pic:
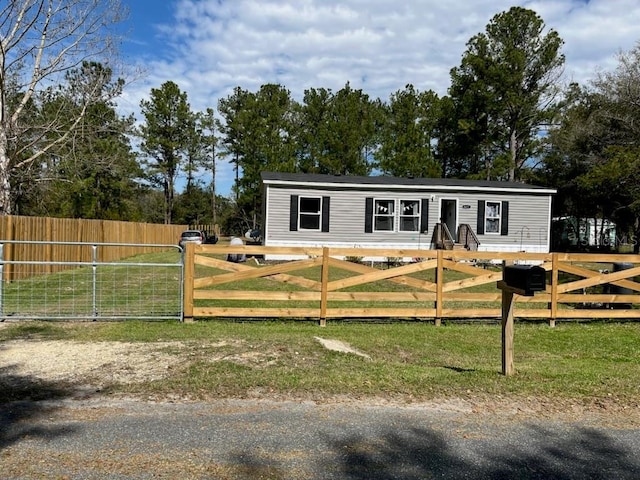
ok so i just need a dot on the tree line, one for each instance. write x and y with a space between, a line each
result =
65 150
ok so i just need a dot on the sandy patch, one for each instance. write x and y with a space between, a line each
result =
95 363
339 346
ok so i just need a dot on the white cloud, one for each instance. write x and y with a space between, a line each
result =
211 46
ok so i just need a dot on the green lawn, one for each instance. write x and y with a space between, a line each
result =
576 362
412 361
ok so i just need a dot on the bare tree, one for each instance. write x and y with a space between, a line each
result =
40 41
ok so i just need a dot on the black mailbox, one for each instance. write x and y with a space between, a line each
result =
529 278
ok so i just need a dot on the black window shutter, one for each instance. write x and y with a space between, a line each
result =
293 214
368 215
504 224
325 213
424 216
480 225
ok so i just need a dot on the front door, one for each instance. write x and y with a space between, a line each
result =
449 215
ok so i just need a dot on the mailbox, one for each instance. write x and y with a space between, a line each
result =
529 278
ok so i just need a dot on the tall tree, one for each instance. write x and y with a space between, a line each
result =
573 147
408 133
260 136
193 207
314 129
40 40
269 146
92 173
465 146
338 132
622 114
208 128
200 152
232 129
166 135
510 72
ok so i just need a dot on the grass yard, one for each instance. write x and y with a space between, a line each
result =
573 363
587 363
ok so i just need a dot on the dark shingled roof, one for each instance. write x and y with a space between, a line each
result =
273 177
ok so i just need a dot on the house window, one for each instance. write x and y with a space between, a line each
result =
383 215
409 215
396 215
309 213
492 217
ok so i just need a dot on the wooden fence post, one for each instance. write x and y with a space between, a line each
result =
324 286
508 303
507 332
554 290
439 287
188 259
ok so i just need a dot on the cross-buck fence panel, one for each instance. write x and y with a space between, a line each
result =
146 284
328 283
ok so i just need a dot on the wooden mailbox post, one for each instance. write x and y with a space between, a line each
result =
516 280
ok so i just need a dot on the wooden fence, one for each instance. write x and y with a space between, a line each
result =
432 284
47 235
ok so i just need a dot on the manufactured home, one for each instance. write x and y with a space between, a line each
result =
388 212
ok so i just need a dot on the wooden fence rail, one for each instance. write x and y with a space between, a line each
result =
322 283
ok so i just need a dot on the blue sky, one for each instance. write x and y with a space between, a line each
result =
210 46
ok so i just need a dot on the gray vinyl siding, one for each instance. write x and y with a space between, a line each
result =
528 217
347 217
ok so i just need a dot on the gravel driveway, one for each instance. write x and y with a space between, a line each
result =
257 439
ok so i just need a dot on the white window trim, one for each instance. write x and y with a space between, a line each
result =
456 201
393 216
487 217
397 215
300 213
401 216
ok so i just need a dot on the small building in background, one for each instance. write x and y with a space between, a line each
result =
582 234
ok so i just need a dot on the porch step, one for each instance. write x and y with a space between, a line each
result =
449 245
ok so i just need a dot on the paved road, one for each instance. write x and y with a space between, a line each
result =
287 440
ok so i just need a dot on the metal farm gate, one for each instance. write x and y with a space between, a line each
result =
90 281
